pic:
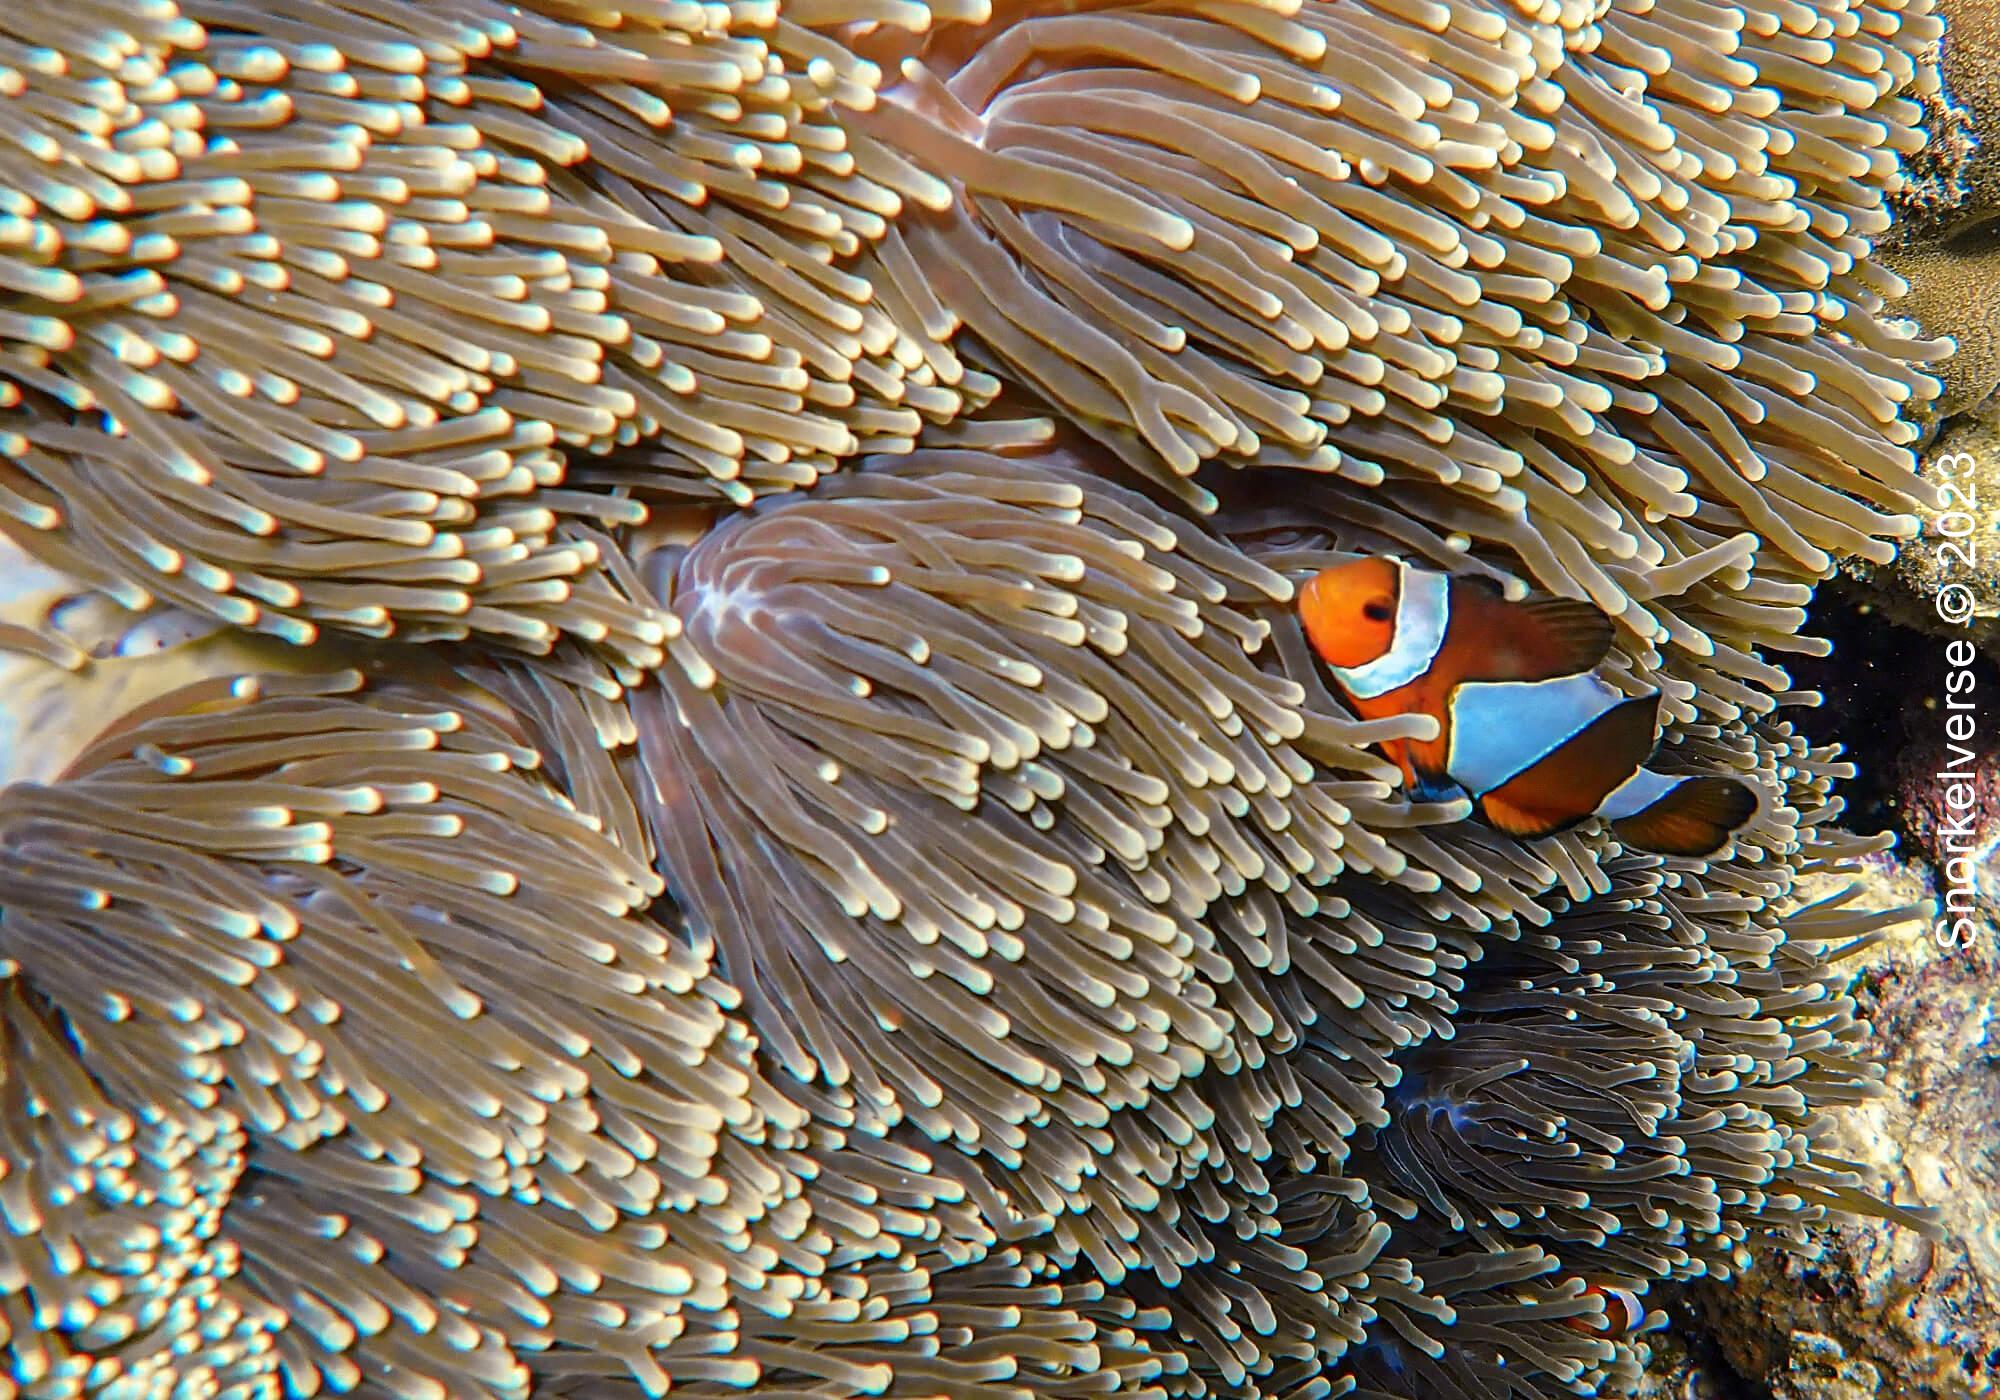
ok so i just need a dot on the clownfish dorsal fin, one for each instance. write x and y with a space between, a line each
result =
1536 639
1693 817
1569 782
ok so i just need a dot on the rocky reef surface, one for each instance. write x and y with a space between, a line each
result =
1881 1311
1886 1312
1965 453
1946 245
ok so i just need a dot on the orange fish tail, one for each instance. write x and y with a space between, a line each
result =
1696 818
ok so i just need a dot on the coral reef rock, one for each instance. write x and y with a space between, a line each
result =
1946 243
1958 548
1946 247
1881 1311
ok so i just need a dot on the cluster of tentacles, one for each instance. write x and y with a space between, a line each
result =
661 742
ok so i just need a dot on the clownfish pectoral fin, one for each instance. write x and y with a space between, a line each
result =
1691 817
1434 787
1397 752
1427 778
1567 784
1421 781
1536 639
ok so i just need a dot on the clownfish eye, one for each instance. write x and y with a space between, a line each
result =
1377 610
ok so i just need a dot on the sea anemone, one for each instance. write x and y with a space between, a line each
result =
746 856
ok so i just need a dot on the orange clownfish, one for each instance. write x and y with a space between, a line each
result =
1526 729
1624 1314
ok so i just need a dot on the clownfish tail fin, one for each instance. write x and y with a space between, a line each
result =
1694 817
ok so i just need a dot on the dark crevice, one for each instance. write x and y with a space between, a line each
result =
1724 1381
1882 687
1709 1375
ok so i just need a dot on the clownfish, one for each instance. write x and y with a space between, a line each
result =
1526 729
1624 1314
